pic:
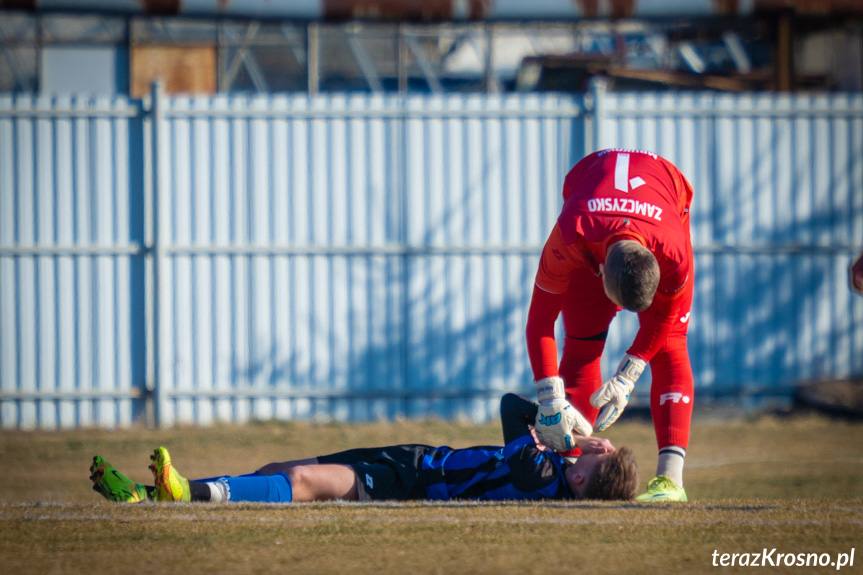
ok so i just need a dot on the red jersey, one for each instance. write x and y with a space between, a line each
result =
608 196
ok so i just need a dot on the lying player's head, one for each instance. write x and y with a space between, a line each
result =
630 275
610 476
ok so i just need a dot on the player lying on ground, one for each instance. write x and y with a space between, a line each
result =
522 469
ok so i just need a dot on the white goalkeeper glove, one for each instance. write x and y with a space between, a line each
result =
557 419
613 396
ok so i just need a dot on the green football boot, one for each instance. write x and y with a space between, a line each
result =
113 485
661 488
170 485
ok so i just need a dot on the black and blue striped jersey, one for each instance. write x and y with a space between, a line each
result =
517 471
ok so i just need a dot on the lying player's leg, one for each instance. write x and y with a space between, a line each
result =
323 482
304 480
301 482
285 466
384 473
114 486
170 485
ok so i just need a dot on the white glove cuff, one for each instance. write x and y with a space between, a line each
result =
549 388
631 368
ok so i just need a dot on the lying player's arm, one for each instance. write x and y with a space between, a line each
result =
598 445
517 414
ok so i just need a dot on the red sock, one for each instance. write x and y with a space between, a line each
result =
672 393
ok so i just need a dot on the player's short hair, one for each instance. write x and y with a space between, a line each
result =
631 275
615 478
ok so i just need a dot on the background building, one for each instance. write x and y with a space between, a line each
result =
496 46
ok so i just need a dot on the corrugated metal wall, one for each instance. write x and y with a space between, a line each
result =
351 257
363 257
71 265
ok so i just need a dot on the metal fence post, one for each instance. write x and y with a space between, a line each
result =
163 414
598 90
147 174
313 60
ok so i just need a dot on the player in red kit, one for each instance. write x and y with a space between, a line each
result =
621 242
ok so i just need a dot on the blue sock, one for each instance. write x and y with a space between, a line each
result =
266 488
216 478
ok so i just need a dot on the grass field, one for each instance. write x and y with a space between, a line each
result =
794 484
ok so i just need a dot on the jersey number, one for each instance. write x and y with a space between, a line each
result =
622 181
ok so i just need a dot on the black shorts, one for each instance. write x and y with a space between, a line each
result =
383 473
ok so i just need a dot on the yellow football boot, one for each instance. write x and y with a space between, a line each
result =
170 485
661 488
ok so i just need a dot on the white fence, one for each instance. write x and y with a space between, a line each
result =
362 257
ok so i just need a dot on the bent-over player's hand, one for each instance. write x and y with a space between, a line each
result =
855 275
613 396
557 421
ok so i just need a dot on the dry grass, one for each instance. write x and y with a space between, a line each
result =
795 484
